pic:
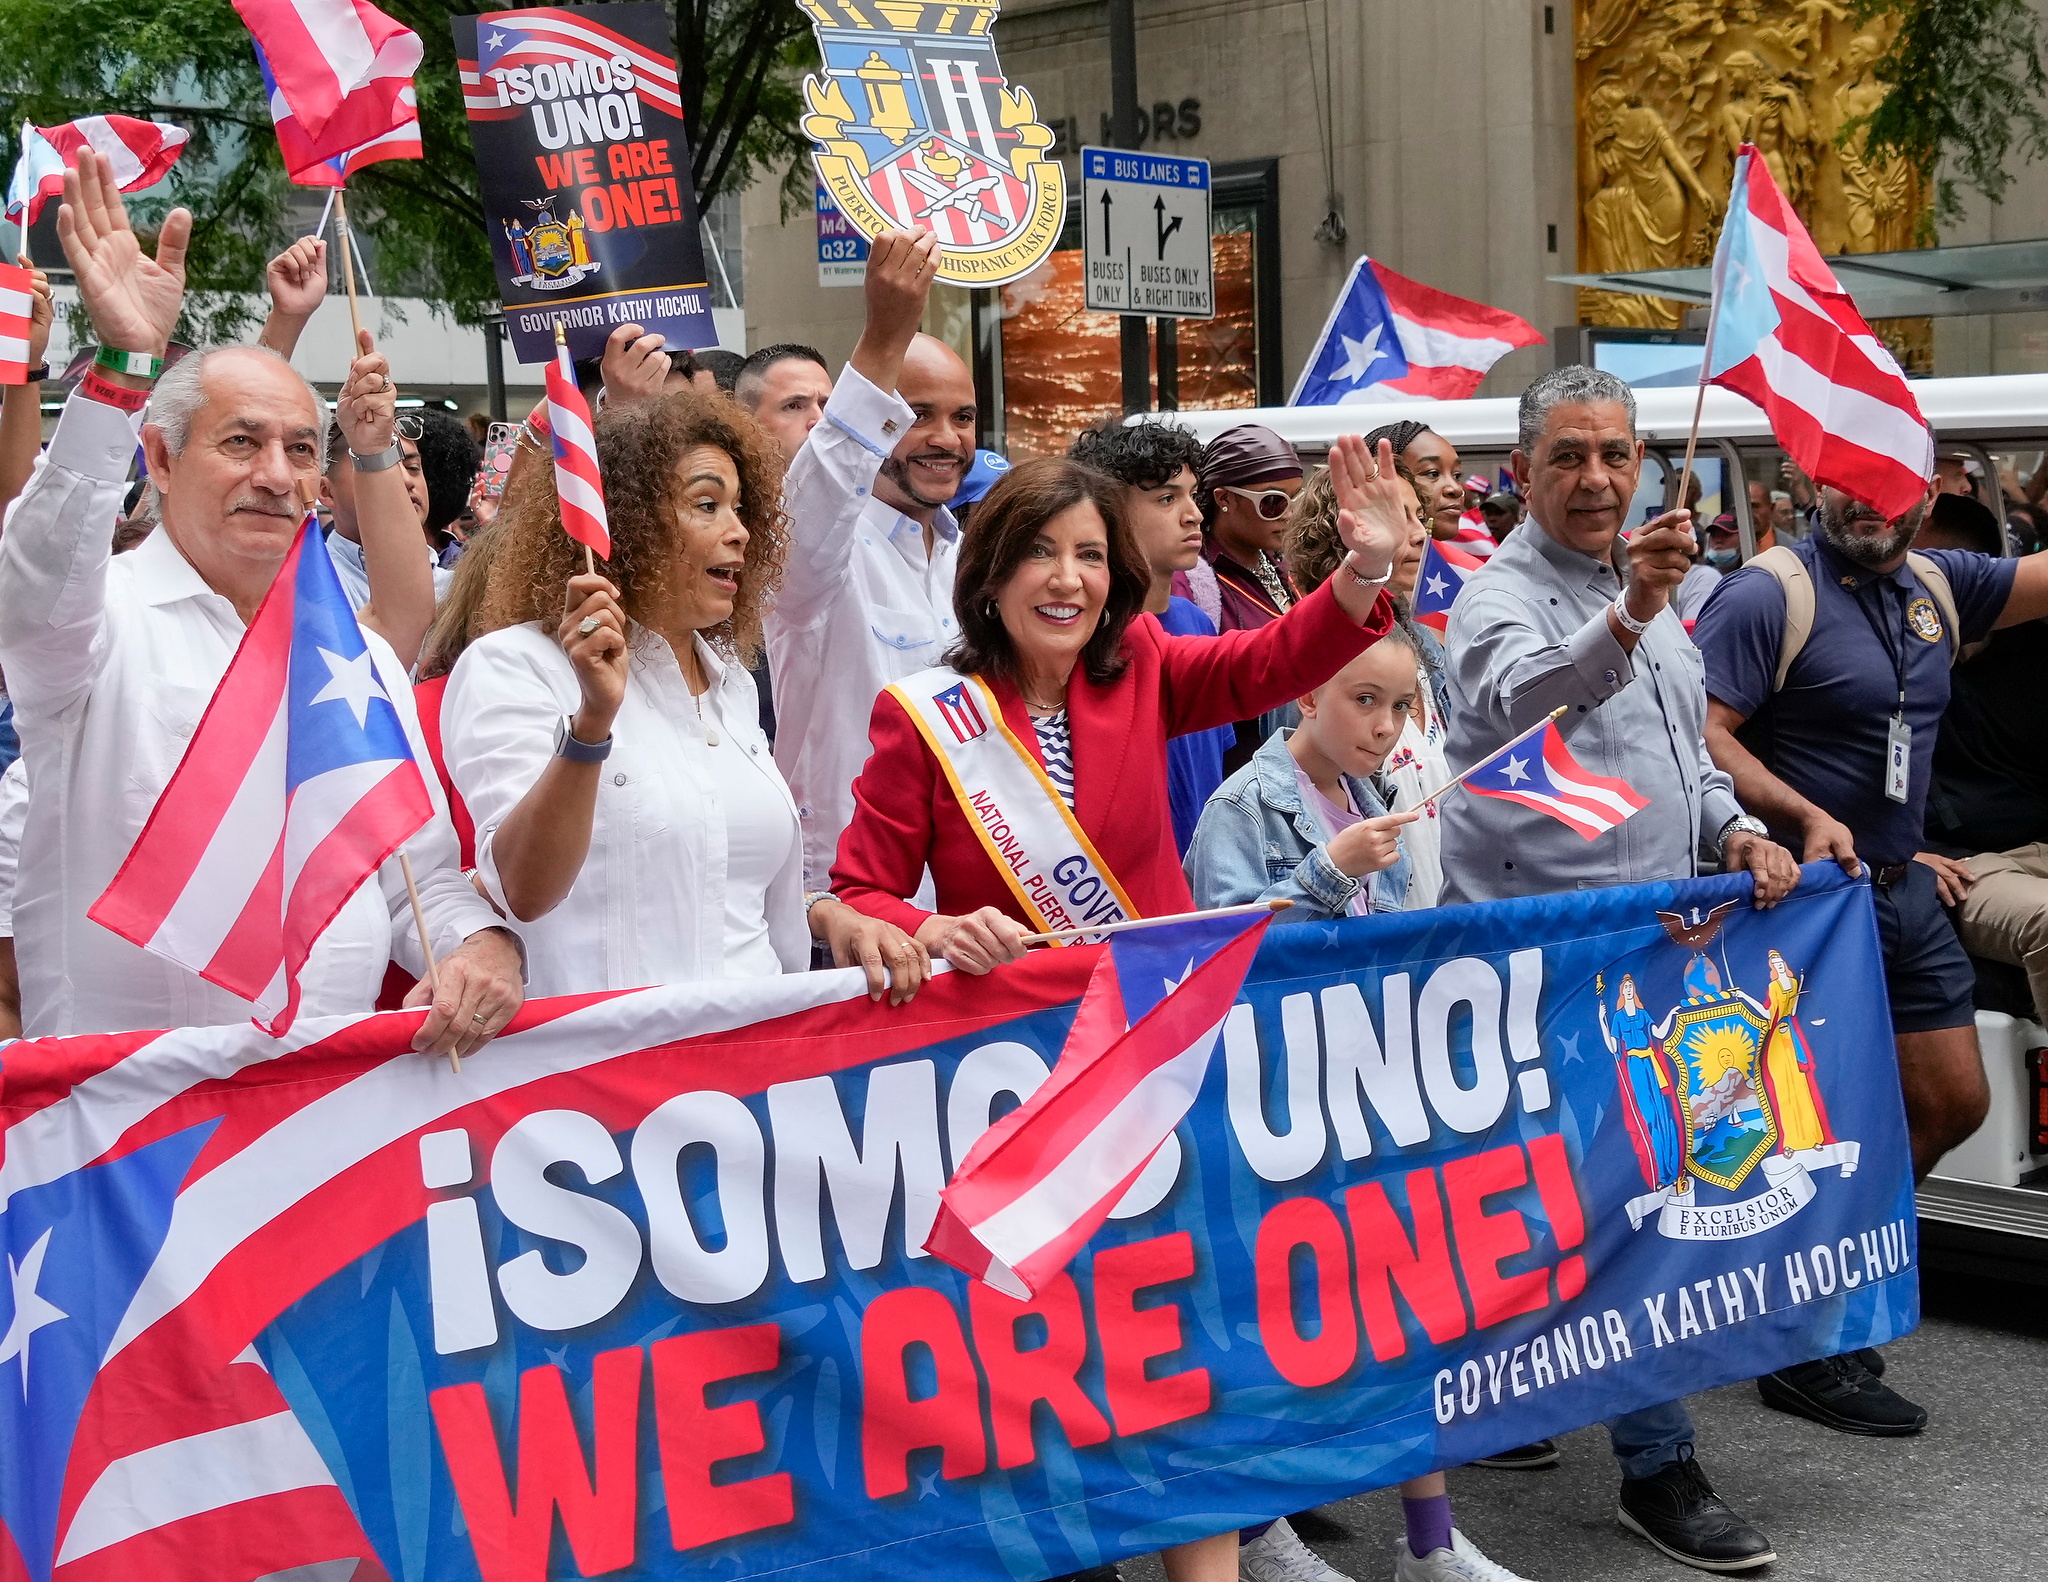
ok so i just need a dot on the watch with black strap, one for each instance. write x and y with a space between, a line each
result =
579 752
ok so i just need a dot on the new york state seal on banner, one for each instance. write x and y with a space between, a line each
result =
912 124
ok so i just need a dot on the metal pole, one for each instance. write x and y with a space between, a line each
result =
1167 349
1124 126
494 364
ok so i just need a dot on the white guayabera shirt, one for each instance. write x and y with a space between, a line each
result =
111 663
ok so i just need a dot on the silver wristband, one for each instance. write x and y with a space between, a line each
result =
1628 622
382 461
1367 582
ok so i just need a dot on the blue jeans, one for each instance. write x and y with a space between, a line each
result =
1648 1439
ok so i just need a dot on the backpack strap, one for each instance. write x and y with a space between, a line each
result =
1790 571
1935 581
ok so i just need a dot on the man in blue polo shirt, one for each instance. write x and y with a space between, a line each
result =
1838 760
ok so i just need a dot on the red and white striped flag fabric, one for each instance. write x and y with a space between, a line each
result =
305 168
141 152
577 481
343 68
1541 773
17 308
297 786
1787 336
1045 1177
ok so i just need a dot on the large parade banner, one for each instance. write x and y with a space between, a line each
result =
640 1292
583 164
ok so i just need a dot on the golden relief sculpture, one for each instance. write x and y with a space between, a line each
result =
1669 90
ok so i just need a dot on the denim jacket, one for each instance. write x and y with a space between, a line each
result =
1256 842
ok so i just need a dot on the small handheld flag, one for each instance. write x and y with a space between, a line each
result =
1785 334
1389 338
297 786
343 69
577 481
141 152
1439 582
1538 771
17 315
1045 1177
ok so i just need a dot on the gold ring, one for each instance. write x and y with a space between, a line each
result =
478 1016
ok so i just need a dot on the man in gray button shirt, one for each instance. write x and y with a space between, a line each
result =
1549 621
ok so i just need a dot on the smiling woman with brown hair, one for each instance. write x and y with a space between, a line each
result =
607 741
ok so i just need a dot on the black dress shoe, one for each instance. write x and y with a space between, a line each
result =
1841 1393
1523 1458
1679 1512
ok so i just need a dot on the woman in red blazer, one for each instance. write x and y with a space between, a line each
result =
1049 595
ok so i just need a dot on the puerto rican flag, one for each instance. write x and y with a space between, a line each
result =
578 483
17 311
1045 1178
1439 582
961 711
507 40
1389 338
1541 774
343 68
297 786
306 168
164 1196
1786 335
141 152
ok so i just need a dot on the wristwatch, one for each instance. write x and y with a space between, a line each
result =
381 461
1741 824
579 752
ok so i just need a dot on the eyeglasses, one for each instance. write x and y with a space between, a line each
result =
1271 504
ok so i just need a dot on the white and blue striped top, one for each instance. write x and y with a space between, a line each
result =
1056 742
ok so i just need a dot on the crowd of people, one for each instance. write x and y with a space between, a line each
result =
1195 663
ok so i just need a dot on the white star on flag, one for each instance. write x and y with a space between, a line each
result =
495 39
1175 983
1436 585
1359 355
31 1312
1516 771
353 681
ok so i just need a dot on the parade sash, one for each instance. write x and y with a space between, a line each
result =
1050 865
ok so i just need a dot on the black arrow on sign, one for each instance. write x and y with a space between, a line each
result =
1165 230
1105 222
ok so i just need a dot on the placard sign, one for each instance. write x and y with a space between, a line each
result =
584 169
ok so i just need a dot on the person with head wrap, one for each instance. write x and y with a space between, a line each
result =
1246 481
1432 461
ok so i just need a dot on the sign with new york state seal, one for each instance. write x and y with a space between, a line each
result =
912 124
583 165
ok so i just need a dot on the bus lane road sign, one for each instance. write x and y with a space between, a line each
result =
1145 229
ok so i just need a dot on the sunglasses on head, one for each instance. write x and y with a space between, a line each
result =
1271 504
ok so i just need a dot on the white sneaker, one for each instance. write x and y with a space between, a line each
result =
1462 1562
1276 1555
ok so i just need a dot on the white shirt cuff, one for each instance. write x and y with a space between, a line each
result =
862 410
94 440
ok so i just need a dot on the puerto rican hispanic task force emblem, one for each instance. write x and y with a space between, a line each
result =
549 253
1722 1088
913 125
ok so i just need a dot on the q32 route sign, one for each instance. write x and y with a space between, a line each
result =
1145 223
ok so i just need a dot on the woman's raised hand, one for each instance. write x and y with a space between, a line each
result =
1370 495
979 942
593 635
1371 844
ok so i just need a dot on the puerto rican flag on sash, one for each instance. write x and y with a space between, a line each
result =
1539 773
1045 1178
1786 335
297 786
1439 582
343 68
963 717
1389 338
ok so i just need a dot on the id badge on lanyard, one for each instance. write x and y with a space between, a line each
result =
1898 763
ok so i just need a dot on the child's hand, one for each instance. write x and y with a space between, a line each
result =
1371 844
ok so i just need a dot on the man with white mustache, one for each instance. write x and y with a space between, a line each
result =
1837 755
867 592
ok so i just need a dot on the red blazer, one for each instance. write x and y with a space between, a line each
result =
906 817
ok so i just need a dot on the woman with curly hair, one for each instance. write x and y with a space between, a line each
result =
606 738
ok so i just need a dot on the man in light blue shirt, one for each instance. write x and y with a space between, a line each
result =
1568 613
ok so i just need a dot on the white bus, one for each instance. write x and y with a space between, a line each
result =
1985 1206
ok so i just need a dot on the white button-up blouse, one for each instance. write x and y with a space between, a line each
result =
695 865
